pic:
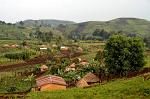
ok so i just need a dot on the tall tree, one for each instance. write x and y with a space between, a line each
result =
124 54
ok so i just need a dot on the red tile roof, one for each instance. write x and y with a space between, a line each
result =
50 79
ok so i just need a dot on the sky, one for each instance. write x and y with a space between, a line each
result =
73 10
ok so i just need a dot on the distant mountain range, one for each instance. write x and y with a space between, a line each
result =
127 25
43 22
61 27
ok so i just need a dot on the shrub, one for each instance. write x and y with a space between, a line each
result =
124 54
100 57
19 55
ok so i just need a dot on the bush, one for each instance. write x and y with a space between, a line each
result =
100 57
19 55
124 54
11 84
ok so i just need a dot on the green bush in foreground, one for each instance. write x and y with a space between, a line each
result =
124 54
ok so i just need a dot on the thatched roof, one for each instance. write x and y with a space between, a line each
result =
50 79
73 65
80 49
54 46
91 78
84 63
82 83
70 68
43 67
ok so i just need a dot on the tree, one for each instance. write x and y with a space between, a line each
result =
100 56
24 43
21 23
147 41
101 33
124 54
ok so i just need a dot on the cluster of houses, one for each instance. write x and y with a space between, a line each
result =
73 66
63 49
52 82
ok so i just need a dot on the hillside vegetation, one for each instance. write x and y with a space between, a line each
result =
127 25
22 29
52 23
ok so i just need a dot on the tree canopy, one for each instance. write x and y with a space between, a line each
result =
124 54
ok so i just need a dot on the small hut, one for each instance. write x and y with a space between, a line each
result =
79 49
84 63
14 46
64 49
50 82
82 83
54 46
71 67
87 80
43 68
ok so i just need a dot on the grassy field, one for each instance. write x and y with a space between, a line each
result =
147 59
32 46
134 88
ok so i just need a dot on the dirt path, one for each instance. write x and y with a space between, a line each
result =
37 60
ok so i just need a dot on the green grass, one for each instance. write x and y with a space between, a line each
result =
147 60
134 88
33 46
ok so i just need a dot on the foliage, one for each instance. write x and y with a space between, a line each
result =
147 41
71 76
100 57
124 54
101 33
24 43
37 68
19 55
43 36
15 84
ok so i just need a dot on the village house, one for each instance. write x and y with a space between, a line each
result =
50 82
54 46
88 80
14 46
84 63
71 67
80 50
43 47
64 49
79 59
43 68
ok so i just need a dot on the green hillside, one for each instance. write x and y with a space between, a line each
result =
12 31
52 23
65 28
134 88
127 25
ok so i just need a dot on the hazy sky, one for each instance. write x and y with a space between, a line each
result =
74 10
